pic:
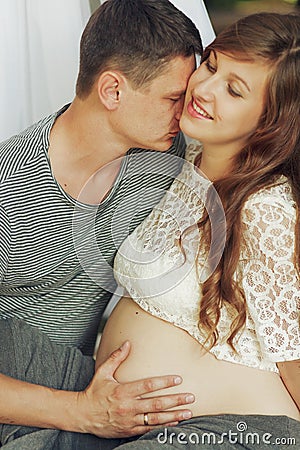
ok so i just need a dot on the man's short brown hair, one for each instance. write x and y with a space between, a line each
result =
136 37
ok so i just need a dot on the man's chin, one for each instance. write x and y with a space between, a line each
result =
161 146
165 146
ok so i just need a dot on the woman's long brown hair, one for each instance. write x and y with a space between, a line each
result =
271 151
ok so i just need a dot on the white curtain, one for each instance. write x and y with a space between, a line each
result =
197 12
39 54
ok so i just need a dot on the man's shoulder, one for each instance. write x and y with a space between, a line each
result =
17 151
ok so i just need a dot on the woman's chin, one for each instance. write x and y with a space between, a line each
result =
188 130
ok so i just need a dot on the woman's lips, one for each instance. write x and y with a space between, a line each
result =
198 111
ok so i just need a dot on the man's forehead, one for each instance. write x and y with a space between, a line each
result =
176 75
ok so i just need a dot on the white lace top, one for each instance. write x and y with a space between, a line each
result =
166 282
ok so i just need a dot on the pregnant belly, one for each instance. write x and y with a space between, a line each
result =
160 348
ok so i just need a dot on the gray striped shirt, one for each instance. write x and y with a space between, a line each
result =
56 254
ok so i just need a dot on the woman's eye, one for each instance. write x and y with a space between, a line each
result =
233 92
210 67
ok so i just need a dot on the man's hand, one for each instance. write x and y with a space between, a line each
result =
110 409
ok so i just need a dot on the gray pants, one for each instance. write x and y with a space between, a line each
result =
223 432
28 355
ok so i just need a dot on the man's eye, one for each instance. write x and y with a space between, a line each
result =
175 99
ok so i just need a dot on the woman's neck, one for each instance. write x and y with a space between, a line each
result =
216 163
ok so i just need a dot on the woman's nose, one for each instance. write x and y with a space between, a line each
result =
206 88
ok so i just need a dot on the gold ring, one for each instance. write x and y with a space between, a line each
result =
146 422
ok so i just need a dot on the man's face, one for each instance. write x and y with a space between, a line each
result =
149 117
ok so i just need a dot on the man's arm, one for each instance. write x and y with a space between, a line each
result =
28 404
105 408
290 375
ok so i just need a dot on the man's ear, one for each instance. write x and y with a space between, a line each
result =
110 85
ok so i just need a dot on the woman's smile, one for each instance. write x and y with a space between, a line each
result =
199 110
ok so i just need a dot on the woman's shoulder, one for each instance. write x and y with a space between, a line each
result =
271 214
278 196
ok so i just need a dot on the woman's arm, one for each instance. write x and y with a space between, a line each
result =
273 284
290 375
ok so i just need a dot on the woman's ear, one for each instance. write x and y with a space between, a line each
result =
109 89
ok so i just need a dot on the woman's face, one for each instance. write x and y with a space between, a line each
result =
224 101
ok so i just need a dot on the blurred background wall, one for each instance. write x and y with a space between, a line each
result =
223 12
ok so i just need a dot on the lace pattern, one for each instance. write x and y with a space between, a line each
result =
164 280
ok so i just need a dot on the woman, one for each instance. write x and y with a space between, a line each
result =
223 310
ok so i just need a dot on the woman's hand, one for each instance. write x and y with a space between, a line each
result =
110 409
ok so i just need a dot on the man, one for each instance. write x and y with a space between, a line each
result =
135 61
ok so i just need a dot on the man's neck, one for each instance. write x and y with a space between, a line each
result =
82 145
